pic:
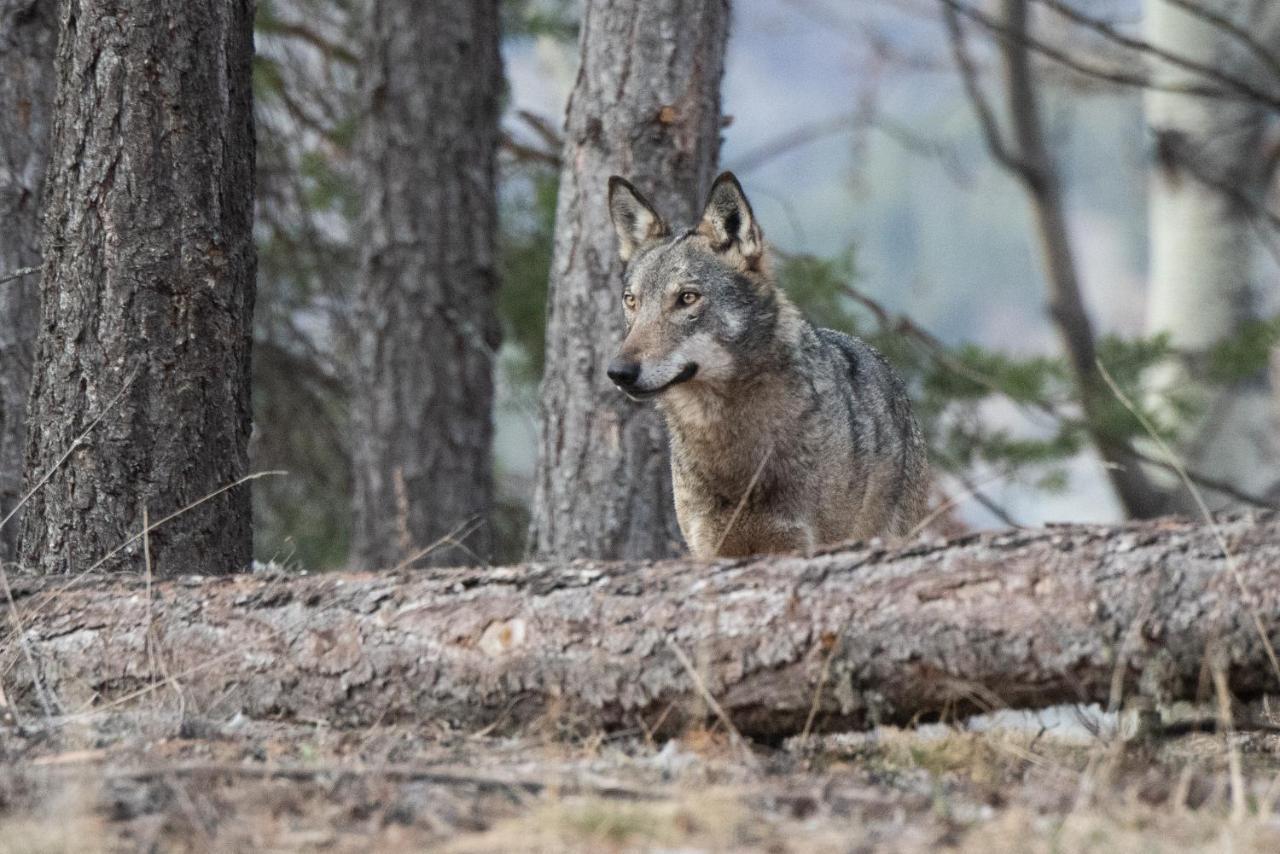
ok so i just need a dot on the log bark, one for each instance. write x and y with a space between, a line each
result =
852 636
646 105
426 315
148 288
28 36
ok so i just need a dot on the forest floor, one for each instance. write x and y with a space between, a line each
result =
155 779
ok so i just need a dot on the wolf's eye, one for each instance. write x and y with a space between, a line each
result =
689 297
629 300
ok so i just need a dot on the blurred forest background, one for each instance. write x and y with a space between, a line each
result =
1002 196
851 127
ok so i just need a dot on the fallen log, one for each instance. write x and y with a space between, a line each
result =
844 638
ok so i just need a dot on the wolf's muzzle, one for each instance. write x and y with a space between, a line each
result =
626 375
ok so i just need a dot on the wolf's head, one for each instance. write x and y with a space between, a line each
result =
700 305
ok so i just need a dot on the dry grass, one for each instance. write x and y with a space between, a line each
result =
1124 830
64 823
138 781
700 821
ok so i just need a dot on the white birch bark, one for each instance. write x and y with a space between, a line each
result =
1208 184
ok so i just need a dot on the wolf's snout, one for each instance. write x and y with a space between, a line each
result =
623 372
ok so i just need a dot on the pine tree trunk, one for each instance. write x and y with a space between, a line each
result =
148 289
646 105
426 323
1208 189
28 38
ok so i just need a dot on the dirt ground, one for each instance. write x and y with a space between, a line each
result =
157 780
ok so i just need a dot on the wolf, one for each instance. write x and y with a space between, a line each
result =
784 436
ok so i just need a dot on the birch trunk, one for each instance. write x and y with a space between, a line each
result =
28 37
1207 191
148 289
427 332
646 105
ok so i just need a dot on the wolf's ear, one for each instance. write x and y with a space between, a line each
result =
634 218
728 221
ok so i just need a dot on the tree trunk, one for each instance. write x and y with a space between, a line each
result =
1033 164
148 290
646 105
1207 197
427 327
28 38
849 637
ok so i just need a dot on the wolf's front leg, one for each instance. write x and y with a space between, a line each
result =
749 535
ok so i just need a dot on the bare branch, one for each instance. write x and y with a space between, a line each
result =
977 99
269 25
1137 493
1109 32
795 138
543 127
922 146
974 490
1230 187
934 348
1062 57
1027 158
18 274
528 153
1239 33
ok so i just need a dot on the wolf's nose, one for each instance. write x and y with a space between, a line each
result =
623 373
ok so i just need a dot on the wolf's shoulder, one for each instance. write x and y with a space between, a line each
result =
864 361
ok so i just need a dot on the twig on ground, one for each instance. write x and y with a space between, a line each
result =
154 652
1239 807
1133 638
46 702
7 712
734 735
817 693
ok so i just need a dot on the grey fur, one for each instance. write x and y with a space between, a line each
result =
783 436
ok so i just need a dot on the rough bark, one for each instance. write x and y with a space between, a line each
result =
147 289
28 37
646 105
426 315
1208 192
852 636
